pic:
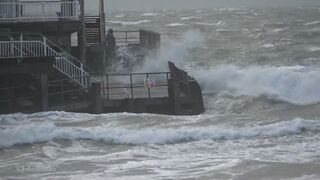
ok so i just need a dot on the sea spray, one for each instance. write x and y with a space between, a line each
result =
175 50
293 84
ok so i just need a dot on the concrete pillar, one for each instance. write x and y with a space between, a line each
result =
82 33
102 16
44 91
96 99
102 22
12 97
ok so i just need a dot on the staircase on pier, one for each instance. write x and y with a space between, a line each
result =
37 45
68 83
93 30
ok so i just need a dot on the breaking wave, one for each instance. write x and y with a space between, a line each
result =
46 131
297 84
294 84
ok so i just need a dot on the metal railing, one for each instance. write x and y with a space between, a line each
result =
134 85
16 49
125 38
39 10
64 62
72 71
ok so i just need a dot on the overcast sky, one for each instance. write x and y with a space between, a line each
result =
194 4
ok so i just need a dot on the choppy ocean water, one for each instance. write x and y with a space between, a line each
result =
260 74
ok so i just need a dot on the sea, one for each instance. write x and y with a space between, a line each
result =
259 69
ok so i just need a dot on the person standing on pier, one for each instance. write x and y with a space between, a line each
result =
111 45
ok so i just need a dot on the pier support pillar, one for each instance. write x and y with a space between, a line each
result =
96 99
44 91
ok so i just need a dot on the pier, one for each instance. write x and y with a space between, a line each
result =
40 70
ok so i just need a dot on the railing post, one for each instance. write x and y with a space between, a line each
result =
44 91
131 87
45 45
19 10
149 93
82 74
42 8
20 44
11 47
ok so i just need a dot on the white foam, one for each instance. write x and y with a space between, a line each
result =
307 177
128 23
149 14
220 23
312 23
268 46
175 24
42 132
280 29
313 48
120 16
190 17
298 85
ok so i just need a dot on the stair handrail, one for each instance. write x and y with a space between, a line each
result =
65 53
18 46
86 67
76 72
62 63
84 78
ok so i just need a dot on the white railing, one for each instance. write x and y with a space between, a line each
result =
21 48
39 10
17 49
74 72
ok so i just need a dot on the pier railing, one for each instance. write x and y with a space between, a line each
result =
134 85
39 10
14 49
146 39
125 38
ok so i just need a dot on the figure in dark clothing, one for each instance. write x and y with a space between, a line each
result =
111 46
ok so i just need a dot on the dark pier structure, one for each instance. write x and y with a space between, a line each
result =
42 68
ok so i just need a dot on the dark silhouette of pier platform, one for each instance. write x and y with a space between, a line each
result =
41 69
173 92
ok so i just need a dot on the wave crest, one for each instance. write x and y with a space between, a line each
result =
47 131
297 85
